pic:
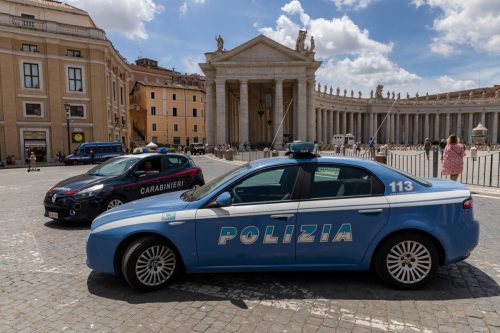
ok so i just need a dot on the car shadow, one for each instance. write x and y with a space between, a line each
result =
63 225
457 281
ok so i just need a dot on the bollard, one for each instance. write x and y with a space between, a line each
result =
473 153
435 154
229 154
342 148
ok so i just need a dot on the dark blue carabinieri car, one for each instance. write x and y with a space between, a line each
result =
300 212
119 180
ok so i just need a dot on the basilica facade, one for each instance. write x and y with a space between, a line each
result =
262 93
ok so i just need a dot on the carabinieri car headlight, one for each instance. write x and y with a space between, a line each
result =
89 192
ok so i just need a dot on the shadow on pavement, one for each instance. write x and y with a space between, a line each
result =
458 281
63 225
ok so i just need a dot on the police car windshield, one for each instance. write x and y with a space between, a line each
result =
113 167
213 184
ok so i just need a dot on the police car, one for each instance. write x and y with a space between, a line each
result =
120 180
300 212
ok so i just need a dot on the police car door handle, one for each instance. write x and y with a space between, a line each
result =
283 217
370 211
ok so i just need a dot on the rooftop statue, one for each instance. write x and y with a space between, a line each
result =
378 91
352 93
319 87
371 93
301 38
313 44
338 91
331 90
359 94
220 43
324 89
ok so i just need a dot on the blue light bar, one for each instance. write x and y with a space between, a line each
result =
298 147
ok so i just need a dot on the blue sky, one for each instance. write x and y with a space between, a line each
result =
406 45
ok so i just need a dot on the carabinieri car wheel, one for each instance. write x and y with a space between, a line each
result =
149 264
406 261
113 202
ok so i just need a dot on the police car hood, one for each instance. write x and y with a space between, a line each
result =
78 183
163 203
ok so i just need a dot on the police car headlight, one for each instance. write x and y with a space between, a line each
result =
89 192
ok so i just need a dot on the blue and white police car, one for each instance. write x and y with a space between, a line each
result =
301 212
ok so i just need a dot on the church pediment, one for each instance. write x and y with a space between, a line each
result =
261 49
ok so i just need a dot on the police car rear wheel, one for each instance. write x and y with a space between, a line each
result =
149 264
406 261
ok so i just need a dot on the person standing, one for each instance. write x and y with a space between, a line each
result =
371 147
427 147
453 158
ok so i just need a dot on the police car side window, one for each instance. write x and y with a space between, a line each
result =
174 162
266 186
340 181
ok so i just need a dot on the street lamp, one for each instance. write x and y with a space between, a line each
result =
67 107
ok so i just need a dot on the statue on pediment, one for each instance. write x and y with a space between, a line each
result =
324 89
220 43
378 91
301 38
338 91
313 45
319 87
331 90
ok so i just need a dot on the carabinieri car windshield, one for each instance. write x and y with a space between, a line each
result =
301 212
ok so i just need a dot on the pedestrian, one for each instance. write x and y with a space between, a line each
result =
245 145
488 148
371 147
32 161
358 148
453 158
442 145
427 147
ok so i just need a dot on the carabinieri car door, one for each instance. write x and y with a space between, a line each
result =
258 228
343 209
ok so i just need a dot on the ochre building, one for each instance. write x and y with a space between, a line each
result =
55 61
167 114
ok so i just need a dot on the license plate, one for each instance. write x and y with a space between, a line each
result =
53 215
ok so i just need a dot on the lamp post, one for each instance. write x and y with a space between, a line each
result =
67 107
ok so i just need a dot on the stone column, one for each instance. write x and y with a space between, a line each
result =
302 110
371 130
471 126
426 126
437 135
407 128
320 125
494 130
483 118
387 127
311 115
398 129
415 129
351 123
244 119
278 114
459 126
447 124
359 132
324 121
210 114
220 91
393 132
344 122
329 126
337 122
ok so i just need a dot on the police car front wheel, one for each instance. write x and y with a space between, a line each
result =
406 261
149 263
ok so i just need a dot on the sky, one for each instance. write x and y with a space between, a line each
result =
409 46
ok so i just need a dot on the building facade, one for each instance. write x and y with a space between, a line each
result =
263 93
167 114
54 61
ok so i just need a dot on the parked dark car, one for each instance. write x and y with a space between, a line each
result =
197 148
119 180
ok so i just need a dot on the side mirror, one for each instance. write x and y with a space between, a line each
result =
223 200
139 173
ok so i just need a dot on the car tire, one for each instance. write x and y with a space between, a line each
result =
112 202
406 260
150 263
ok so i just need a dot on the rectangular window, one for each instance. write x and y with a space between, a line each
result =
177 140
33 109
75 79
195 128
122 100
153 110
114 91
73 53
174 112
194 98
76 111
195 113
152 95
31 76
154 127
174 97
29 48
176 128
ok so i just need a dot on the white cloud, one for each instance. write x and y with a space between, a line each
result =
365 61
183 8
199 2
450 84
356 4
127 17
472 22
190 64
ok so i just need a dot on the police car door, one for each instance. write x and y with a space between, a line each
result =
257 228
343 209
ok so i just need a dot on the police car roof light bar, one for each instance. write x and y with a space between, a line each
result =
299 149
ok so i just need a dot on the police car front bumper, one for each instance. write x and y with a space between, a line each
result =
69 209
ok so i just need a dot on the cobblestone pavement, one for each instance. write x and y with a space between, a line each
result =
45 285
